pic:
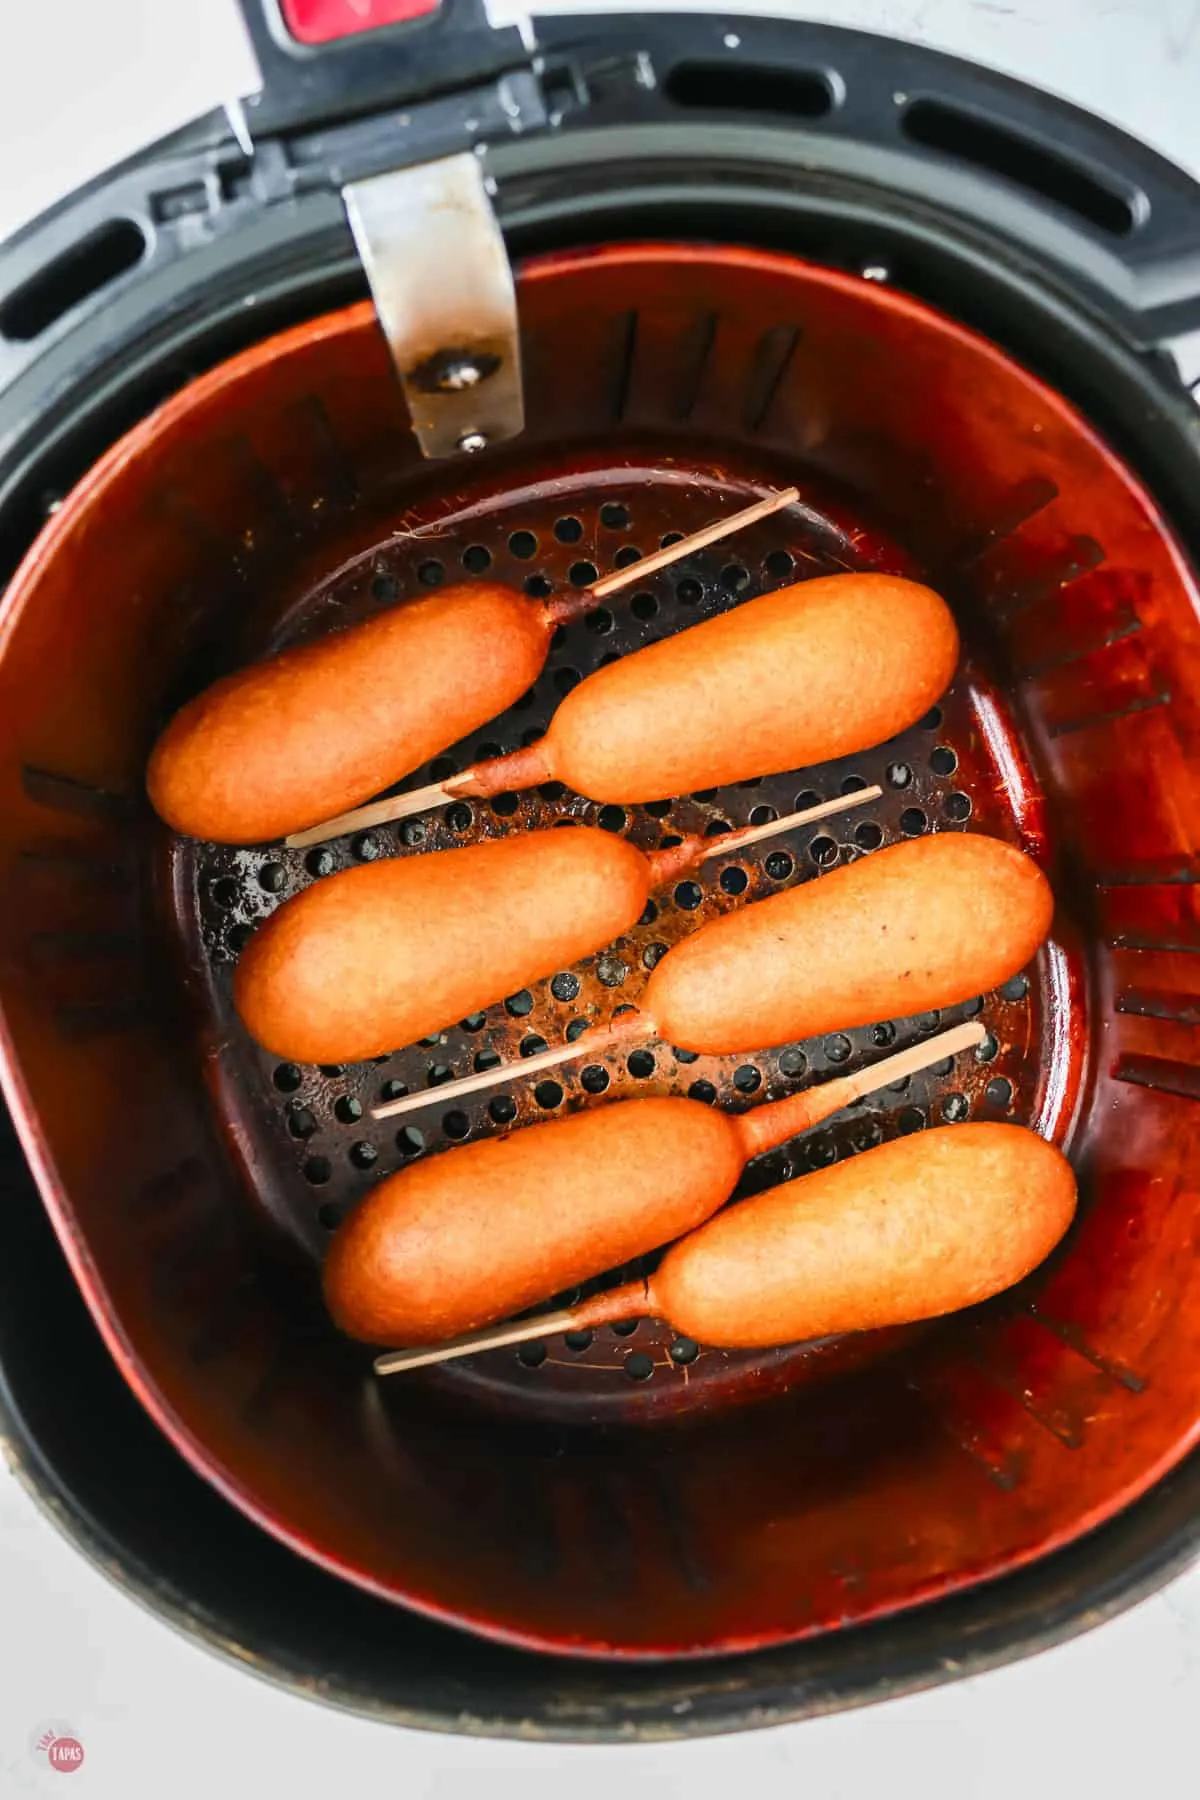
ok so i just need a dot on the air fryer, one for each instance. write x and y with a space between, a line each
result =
954 313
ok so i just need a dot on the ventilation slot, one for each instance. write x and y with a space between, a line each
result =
739 87
1002 152
78 274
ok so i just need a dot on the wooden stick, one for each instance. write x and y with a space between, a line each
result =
403 806
765 1128
550 1059
911 1061
378 812
753 834
622 1303
697 540
492 1337
631 1026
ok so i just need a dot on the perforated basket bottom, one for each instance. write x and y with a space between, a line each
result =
307 1144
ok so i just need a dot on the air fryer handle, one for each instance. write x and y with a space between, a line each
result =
325 61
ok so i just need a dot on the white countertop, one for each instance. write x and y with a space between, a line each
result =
83 82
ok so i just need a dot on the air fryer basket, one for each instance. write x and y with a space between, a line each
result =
615 1496
191 1179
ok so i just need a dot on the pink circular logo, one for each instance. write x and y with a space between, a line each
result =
59 1745
65 1754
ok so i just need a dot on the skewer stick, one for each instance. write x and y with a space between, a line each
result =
623 1302
632 1025
492 1337
697 540
754 834
385 812
904 1063
378 812
403 806
638 1026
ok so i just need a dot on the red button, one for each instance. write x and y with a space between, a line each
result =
323 21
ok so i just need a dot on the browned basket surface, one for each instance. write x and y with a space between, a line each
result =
311 1145
193 1181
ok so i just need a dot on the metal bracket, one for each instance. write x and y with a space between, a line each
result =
443 289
